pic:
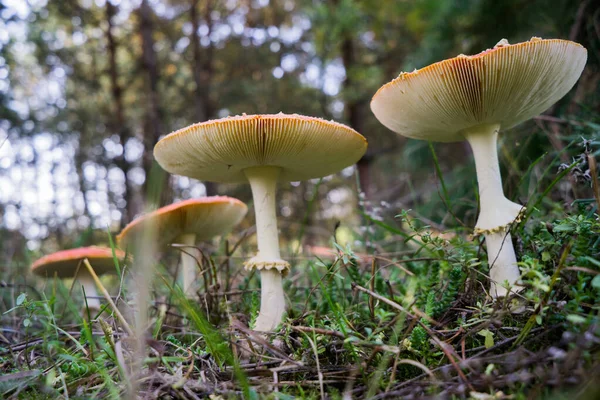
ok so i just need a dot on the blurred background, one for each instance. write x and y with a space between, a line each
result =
87 87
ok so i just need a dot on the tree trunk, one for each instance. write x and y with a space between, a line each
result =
153 123
80 158
354 113
203 71
118 124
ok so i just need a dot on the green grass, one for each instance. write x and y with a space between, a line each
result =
414 322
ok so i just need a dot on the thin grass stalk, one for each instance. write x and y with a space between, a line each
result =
107 297
143 271
594 174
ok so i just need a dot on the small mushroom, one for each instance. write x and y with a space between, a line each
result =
66 263
262 150
472 98
187 222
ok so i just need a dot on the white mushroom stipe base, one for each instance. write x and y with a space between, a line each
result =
503 264
497 212
84 278
188 266
263 182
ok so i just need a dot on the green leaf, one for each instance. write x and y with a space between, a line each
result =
21 299
546 256
596 282
593 261
26 322
563 227
489 337
576 319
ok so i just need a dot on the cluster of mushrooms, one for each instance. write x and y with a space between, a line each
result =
463 98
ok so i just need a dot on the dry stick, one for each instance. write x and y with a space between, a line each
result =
319 373
390 288
180 383
319 331
582 269
393 374
594 174
229 253
227 262
107 297
371 298
233 293
258 338
448 351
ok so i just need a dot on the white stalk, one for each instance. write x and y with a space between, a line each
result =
503 263
263 181
89 286
497 212
272 301
187 270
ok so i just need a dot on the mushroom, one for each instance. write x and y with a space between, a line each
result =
187 222
262 150
472 98
67 263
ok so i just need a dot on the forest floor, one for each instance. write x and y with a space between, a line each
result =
411 319
410 325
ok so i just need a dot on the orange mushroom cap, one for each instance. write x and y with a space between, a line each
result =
205 217
64 263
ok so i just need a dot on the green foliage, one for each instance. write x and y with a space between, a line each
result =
400 298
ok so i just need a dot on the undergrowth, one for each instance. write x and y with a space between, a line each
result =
409 319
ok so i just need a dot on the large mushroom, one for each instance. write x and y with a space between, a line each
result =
472 98
262 150
187 222
67 263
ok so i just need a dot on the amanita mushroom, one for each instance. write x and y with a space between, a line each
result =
262 150
472 98
187 222
64 264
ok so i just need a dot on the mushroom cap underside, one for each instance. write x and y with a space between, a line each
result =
506 85
205 217
220 150
65 263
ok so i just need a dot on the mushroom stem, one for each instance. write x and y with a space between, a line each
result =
272 301
497 212
187 271
501 254
263 181
89 286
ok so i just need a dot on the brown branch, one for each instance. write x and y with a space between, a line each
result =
319 331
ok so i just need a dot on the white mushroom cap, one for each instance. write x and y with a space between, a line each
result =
219 150
505 85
